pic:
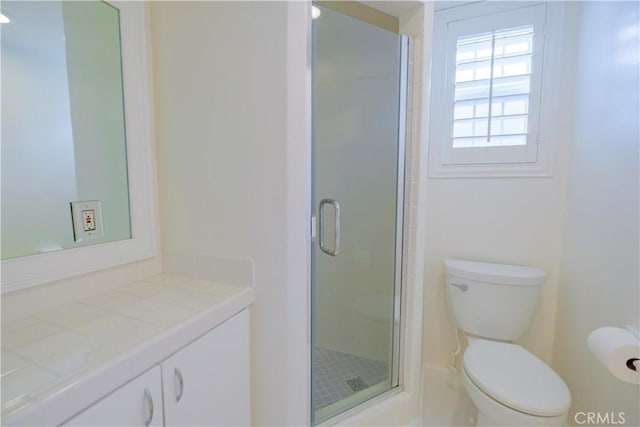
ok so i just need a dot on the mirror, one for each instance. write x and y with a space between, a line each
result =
63 127
86 88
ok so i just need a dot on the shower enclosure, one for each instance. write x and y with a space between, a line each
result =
359 89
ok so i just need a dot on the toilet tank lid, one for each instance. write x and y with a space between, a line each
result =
517 275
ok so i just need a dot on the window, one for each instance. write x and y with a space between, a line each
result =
492 79
487 87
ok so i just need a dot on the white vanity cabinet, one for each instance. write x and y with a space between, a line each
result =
137 403
206 383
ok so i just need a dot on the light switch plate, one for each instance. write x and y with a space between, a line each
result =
87 220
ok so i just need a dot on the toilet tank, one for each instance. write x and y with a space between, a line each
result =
495 301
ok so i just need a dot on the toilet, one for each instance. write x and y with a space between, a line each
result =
494 304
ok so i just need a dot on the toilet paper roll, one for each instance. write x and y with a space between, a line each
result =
617 348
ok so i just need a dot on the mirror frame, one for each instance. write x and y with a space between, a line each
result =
27 271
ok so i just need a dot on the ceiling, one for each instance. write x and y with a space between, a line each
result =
395 8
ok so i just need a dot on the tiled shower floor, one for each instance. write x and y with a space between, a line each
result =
339 375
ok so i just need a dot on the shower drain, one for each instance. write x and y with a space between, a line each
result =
357 384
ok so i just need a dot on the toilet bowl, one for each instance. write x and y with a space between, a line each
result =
512 387
494 304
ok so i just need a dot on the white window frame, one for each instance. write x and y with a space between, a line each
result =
533 159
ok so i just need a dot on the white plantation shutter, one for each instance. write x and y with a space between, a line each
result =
492 87
492 80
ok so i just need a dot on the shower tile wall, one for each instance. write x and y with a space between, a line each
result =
412 157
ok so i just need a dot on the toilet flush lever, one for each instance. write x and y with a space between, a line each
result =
463 287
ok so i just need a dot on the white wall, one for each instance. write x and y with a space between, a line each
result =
599 281
503 220
220 74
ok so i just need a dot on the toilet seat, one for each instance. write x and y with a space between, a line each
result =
516 378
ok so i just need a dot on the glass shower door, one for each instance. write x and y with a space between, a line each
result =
357 183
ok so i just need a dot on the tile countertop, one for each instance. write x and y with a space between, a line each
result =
58 362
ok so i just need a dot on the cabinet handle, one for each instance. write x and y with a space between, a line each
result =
149 400
178 373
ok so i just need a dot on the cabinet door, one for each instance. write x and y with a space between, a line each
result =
207 382
138 403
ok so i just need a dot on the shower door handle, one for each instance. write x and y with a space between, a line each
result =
336 229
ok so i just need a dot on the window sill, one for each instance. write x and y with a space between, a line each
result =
513 170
